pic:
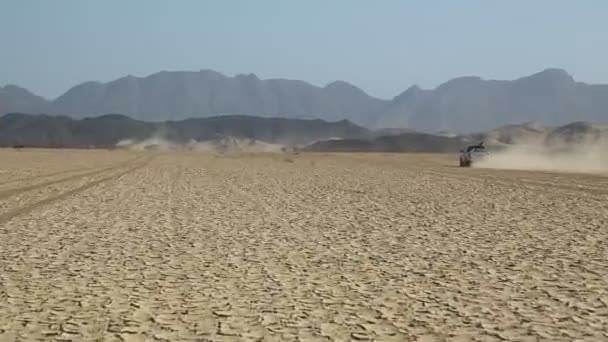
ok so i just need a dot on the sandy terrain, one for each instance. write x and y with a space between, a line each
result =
138 246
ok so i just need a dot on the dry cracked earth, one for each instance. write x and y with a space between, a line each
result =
125 246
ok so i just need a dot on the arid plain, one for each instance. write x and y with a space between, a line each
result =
142 246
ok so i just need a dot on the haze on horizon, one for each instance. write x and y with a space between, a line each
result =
382 48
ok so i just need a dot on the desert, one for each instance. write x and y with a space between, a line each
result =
188 246
216 171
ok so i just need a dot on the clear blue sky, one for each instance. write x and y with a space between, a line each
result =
381 46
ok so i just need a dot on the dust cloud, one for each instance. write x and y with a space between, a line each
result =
157 141
154 143
586 158
221 145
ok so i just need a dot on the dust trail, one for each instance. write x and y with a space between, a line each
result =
581 158
152 143
158 141
221 145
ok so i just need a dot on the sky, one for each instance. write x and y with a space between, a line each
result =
383 47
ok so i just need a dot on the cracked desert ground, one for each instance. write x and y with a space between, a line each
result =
142 246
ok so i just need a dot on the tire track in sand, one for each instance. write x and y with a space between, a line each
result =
5 217
16 191
45 175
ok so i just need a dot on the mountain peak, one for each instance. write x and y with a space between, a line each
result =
340 84
15 89
551 75
554 71
460 81
413 89
12 87
410 92
248 77
15 99
167 74
344 88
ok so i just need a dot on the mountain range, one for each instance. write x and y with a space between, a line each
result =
465 104
249 133
108 131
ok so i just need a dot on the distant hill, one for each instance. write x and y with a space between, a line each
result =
109 130
462 105
16 99
533 133
469 104
249 133
578 133
529 134
526 133
406 142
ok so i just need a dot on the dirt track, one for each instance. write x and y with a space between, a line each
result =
316 248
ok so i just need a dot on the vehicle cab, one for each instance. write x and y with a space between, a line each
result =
472 154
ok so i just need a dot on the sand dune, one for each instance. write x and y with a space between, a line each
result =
139 246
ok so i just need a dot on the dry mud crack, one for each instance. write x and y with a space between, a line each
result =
195 247
90 180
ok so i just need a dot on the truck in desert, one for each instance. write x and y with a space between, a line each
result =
472 154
